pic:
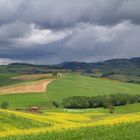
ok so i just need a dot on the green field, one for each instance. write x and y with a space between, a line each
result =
5 80
21 100
125 78
77 85
123 132
66 86
91 124
25 100
69 124
129 108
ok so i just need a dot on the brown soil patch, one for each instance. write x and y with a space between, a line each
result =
32 76
37 86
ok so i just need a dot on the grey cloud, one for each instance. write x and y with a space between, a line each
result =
13 30
67 13
85 46
87 30
9 10
64 13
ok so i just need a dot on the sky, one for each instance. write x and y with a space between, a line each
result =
56 31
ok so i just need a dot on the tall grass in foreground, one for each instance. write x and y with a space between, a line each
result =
68 126
129 131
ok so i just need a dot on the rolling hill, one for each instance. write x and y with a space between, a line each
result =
79 85
66 86
53 123
126 70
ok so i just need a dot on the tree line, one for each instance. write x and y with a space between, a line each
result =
106 101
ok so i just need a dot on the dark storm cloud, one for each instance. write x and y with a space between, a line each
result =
54 31
64 13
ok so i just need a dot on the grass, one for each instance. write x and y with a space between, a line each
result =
18 122
130 108
68 126
125 78
123 132
77 85
25 100
68 85
5 80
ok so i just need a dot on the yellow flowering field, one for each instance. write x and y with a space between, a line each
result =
15 123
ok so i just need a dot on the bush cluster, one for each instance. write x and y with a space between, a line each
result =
4 105
55 104
105 101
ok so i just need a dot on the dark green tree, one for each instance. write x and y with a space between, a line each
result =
4 105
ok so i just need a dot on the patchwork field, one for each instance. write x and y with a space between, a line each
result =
36 86
67 86
32 77
53 123
6 79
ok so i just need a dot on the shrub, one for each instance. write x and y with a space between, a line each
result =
76 102
111 108
107 101
56 104
120 99
54 73
96 101
4 105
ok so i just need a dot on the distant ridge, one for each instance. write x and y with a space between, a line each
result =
119 69
20 64
112 62
76 64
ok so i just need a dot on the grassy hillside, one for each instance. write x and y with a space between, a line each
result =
16 100
66 86
8 79
127 70
67 124
5 80
125 78
25 100
130 108
78 85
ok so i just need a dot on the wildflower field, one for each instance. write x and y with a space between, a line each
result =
68 125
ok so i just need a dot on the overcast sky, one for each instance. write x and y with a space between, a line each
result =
54 31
